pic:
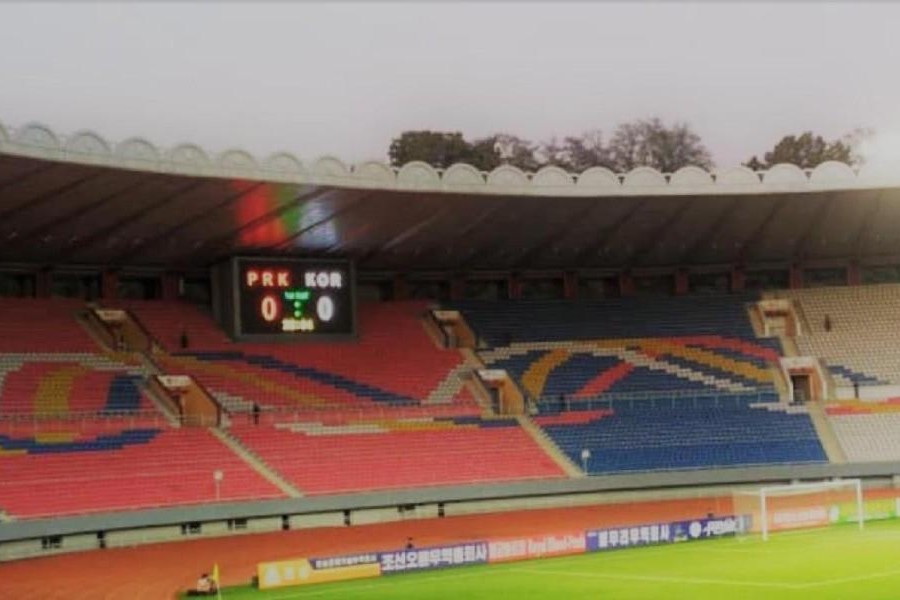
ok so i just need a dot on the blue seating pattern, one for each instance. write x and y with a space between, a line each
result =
501 323
855 376
625 345
640 439
124 395
100 443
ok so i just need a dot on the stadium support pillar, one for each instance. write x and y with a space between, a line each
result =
853 274
42 281
795 277
737 279
169 286
514 284
681 282
401 290
457 287
570 285
109 282
626 284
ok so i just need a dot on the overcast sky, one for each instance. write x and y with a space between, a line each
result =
343 78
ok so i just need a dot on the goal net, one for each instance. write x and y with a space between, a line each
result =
770 509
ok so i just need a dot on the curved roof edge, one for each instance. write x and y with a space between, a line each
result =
38 141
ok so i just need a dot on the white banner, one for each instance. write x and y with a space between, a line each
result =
110 315
174 381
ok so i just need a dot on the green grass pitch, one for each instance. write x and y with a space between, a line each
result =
835 563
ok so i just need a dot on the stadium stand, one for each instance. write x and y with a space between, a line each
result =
352 456
867 431
679 382
49 364
78 434
614 346
860 341
104 467
393 363
648 438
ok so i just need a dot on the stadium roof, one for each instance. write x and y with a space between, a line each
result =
84 201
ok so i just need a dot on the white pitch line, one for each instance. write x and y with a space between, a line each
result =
840 580
663 579
349 589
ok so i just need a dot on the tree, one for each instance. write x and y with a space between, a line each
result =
483 154
438 149
577 153
650 143
516 151
808 150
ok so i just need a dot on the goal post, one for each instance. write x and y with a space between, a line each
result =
770 509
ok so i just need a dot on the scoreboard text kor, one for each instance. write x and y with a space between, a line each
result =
295 297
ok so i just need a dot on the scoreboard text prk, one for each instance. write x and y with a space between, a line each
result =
295 298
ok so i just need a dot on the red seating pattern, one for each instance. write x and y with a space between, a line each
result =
392 353
175 468
322 463
31 325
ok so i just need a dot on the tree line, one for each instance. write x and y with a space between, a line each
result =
644 142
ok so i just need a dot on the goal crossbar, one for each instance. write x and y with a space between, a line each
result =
820 510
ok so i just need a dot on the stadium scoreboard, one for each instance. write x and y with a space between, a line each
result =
285 299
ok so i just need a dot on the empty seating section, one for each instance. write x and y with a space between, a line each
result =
393 362
504 323
167 321
861 341
370 455
87 384
49 364
638 438
867 431
626 346
678 382
42 326
103 469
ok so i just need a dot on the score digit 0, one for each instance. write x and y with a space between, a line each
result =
269 308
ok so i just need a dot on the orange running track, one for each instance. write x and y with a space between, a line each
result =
160 571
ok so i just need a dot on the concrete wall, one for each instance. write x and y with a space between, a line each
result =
20 539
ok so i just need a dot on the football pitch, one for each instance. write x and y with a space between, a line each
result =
835 563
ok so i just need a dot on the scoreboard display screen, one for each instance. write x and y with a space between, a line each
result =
294 298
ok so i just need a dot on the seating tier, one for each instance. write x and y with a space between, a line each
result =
643 438
107 469
392 361
374 455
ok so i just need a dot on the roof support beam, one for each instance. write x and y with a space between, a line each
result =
757 234
657 234
168 233
690 254
866 225
590 251
51 195
800 249
140 213
221 245
38 232
553 237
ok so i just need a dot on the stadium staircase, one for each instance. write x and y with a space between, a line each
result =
256 463
827 435
549 446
